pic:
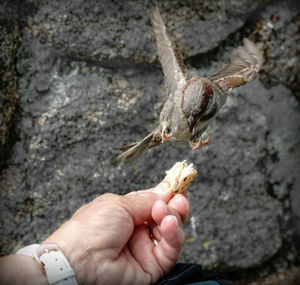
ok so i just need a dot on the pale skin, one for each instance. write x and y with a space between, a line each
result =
107 241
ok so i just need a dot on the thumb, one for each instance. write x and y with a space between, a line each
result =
139 203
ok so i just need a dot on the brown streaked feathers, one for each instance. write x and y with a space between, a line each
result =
242 68
173 66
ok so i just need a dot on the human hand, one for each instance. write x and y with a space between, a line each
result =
108 240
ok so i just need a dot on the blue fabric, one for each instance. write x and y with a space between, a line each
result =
192 274
205 283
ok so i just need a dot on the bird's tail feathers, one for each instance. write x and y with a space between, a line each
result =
133 151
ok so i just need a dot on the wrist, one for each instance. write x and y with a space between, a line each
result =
52 261
27 269
76 253
78 259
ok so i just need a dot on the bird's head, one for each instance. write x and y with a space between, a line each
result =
197 95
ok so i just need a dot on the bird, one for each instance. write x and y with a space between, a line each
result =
192 101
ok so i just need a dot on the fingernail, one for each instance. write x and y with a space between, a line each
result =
161 188
177 199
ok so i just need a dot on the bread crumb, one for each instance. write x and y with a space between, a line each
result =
180 176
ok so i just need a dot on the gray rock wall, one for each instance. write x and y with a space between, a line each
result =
88 82
10 41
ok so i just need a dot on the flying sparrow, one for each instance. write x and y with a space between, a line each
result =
192 101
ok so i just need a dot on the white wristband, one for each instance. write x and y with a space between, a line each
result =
57 267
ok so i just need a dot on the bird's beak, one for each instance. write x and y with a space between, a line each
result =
192 123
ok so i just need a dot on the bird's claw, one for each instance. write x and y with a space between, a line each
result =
166 137
197 144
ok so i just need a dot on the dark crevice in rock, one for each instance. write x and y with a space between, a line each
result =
13 19
286 258
220 52
117 64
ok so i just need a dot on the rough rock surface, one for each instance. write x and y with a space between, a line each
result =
9 39
88 84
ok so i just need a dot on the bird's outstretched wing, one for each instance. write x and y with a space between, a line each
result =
173 66
242 69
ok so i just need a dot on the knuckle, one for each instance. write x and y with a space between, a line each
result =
107 197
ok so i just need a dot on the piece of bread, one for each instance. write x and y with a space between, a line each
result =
180 176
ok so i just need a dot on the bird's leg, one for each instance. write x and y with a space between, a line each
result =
197 144
165 136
